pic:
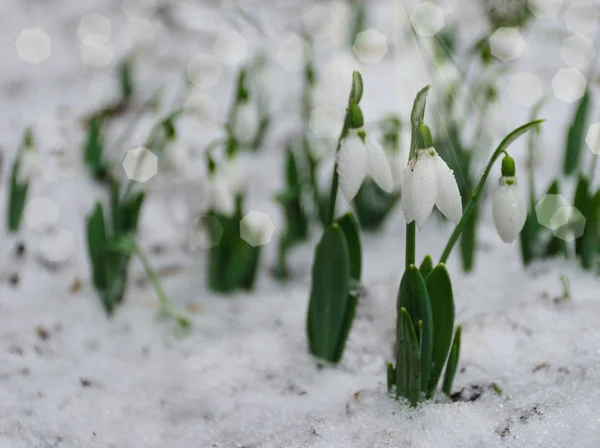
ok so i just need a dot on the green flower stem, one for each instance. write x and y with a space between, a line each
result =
475 197
167 307
336 181
411 228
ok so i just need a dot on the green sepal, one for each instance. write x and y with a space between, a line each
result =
441 297
576 135
408 360
426 266
329 296
413 297
452 363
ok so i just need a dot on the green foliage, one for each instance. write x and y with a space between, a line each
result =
452 363
335 289
409 364
232 262
17 191
373 205
93 150
105 234
576 134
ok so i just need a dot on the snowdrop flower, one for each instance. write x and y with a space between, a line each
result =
29 166
177 156
360 156
224 184
427 182
245 122
508 204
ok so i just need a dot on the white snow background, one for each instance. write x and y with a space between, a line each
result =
70 377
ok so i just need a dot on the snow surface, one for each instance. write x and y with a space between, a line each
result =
70 377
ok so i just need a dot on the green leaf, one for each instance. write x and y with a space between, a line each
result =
17 196
94 148
351 232
96 241
452 363
529 238
413 297
391 376
330 291
576 134
373 205
439 288
408 362
426 266
586 245
122 245
126 78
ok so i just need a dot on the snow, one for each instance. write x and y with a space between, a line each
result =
70 377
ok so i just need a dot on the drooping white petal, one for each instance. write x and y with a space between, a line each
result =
424 187
352 165
177 156
245 122
29 166
222 199
397 161
406 199
509 211
448 197
378 166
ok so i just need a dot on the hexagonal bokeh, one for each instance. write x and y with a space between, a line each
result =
140 164
136 10
204 233
577 51
204 70
581 17
507 44
231 48
370 46
326 120
33 45
547 207
94 30
569 85
41 214
320 21
544 9
427 18
57 245
98 58
256 228
567 223
592 138
293 53
525 89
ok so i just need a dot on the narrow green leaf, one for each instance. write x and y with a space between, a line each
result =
426 266
413 297
17 196
351 232
408 362
576 134
529 238
441 297
96 241
329 295
452 363
468 240
586 244
391 376
126 78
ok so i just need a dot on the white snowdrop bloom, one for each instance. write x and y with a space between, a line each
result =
220 196
358 159
245 122
509 210
427 182
29 166
177 156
